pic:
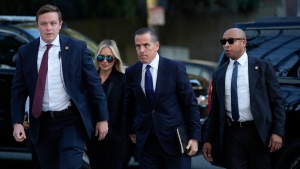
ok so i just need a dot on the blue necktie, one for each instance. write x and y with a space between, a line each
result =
149 85
234 96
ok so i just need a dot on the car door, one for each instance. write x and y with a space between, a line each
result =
9 45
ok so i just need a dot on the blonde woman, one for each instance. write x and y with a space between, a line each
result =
107 153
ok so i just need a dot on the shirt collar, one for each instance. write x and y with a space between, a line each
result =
55 42
242 60
154 63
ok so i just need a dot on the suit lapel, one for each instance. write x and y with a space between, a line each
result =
221 81
110 85
161 80
253 70
33 57
138 71
65 55
112 78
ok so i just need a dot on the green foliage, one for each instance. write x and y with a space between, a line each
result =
129 9
237 6
198 7
117 8
248 5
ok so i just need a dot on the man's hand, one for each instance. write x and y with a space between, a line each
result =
132 137
101 130
192 146
275 142
19 133
206 151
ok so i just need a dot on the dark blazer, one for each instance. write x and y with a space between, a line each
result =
115 102
174 98
109 153
80 78
266 102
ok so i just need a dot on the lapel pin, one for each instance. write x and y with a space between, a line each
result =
256 67
67 47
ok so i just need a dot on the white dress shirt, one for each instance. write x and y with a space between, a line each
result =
242 88
55 96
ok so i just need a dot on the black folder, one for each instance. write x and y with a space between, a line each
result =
182 139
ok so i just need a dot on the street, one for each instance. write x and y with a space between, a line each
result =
198 162
22 160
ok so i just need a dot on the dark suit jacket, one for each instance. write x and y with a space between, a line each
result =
115 102
174 98
80 78
266 102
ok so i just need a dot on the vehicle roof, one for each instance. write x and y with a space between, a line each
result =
17 18
202 62
268 22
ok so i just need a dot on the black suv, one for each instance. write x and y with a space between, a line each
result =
277 40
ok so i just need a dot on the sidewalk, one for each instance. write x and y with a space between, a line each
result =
198 162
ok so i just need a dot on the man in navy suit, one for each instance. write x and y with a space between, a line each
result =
258 129
58 131
152 123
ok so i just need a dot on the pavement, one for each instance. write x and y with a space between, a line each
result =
17 160
198 162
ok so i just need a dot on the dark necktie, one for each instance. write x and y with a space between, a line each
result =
149 85
234 96
40 85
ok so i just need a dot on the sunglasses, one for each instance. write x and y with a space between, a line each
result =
108 58
230 40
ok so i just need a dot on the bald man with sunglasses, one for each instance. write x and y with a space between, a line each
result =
247 111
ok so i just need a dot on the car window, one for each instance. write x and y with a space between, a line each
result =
199 70
33 32
9 45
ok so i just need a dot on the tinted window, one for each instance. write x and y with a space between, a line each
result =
203 71
280 47
9 45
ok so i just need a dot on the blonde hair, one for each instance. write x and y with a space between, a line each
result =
108 43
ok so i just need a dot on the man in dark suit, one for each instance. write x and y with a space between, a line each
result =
252 128
62 124
152 121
